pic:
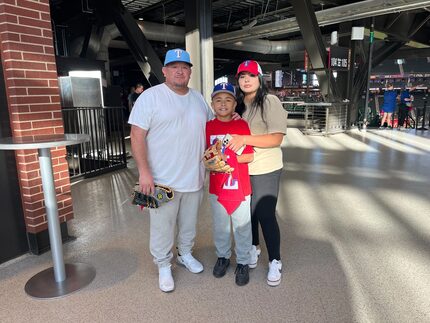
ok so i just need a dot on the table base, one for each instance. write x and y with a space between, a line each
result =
43 284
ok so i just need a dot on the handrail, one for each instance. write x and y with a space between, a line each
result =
106 149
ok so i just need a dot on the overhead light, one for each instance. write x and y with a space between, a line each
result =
140 18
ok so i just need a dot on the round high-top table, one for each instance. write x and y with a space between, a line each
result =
61 279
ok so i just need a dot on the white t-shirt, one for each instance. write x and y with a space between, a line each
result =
176 135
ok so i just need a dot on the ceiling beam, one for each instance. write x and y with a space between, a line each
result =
354 11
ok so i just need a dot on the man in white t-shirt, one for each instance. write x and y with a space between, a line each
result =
168 140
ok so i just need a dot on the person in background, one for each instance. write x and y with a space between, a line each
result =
389 105
268 123
168 141
124 103
230 194
405 108
137 92
129 98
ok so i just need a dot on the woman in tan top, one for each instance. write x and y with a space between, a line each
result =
268 123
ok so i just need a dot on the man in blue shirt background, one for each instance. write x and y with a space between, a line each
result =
405 105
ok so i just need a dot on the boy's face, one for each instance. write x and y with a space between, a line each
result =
223 104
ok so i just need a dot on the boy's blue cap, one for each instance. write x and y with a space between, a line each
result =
224 88
177 55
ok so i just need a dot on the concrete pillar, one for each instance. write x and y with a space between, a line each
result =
199 43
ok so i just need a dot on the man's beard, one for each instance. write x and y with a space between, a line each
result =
180 85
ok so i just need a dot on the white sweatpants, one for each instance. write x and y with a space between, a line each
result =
240 222
183 211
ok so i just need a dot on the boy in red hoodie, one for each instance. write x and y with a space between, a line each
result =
229 194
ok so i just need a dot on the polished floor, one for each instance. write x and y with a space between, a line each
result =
354 213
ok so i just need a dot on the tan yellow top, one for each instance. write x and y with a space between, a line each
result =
267 160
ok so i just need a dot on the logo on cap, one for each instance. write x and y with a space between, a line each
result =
178 52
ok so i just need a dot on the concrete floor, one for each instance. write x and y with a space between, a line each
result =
354 213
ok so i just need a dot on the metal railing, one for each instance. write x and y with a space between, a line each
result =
325 118
295 109
106 150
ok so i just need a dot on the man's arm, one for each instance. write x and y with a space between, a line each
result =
415 87
139 149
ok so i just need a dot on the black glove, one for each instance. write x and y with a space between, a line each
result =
162 195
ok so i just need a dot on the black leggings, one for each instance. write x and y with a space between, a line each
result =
265 190
403 114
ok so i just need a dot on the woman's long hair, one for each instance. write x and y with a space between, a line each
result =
257 103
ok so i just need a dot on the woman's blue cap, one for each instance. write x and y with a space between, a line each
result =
224 88
177 55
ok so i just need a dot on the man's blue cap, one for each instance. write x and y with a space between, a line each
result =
224 88
177 55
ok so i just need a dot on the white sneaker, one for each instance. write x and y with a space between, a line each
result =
253 257
274 275
165 279
191 263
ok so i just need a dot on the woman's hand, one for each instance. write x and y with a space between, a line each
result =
236 142
236 116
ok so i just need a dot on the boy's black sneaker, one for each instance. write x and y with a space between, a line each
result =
221 267
242 274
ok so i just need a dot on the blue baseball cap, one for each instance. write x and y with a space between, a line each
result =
177 55
224 87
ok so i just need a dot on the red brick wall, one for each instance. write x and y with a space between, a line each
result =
30 73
